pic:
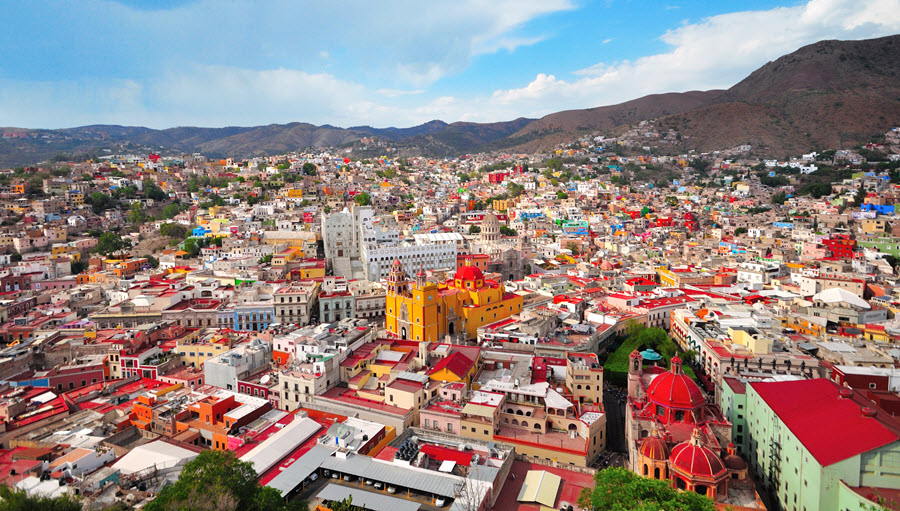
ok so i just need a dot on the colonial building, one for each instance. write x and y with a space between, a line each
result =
674 435
424 311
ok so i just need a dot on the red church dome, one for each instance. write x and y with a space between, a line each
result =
674 389
694 460
469 273
655 448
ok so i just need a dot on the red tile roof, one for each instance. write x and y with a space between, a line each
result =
445 454
819 416
456 363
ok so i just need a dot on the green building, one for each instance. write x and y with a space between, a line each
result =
732 395
884 244
817 446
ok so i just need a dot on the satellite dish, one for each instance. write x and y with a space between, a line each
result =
265 379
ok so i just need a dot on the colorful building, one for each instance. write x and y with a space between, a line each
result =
424 311
815 445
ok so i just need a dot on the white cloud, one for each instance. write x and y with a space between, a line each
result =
714 53
394 93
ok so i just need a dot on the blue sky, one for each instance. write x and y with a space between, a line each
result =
387 63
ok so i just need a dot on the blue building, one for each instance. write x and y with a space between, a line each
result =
253 316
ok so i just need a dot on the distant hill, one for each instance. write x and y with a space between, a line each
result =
558 127
828 94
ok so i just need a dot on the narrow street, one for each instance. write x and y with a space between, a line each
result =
614 405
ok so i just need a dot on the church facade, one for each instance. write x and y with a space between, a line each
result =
425 311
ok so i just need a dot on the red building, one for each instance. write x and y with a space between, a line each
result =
497 177
840 246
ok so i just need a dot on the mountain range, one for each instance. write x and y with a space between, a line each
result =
825 95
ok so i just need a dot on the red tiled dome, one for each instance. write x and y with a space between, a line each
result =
693 459
469 273
655 448
674 389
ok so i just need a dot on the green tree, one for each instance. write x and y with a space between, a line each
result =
779 198
860 197
171 230
363 199
514 189
99 202
171 210
218 480
554 164
740 230
344 505
618 489
474 229
818 190
309 169
111 243
193 245
154 262
78 267
701 166
507 231
572 247
15 500
137 215
151 191
562 195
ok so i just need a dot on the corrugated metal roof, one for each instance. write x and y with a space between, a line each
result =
367 499
265 455
540 486
417 479
293 475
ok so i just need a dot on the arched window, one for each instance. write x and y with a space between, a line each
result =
646 470
519 412
656 473
537 425
524 424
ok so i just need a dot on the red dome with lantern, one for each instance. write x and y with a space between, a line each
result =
674 389
654 447
469 273
694 460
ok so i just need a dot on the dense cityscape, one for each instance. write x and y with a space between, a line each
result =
685 300
516 321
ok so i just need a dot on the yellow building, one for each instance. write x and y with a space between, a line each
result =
192 352
424 311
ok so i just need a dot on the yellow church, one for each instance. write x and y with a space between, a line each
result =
424 311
